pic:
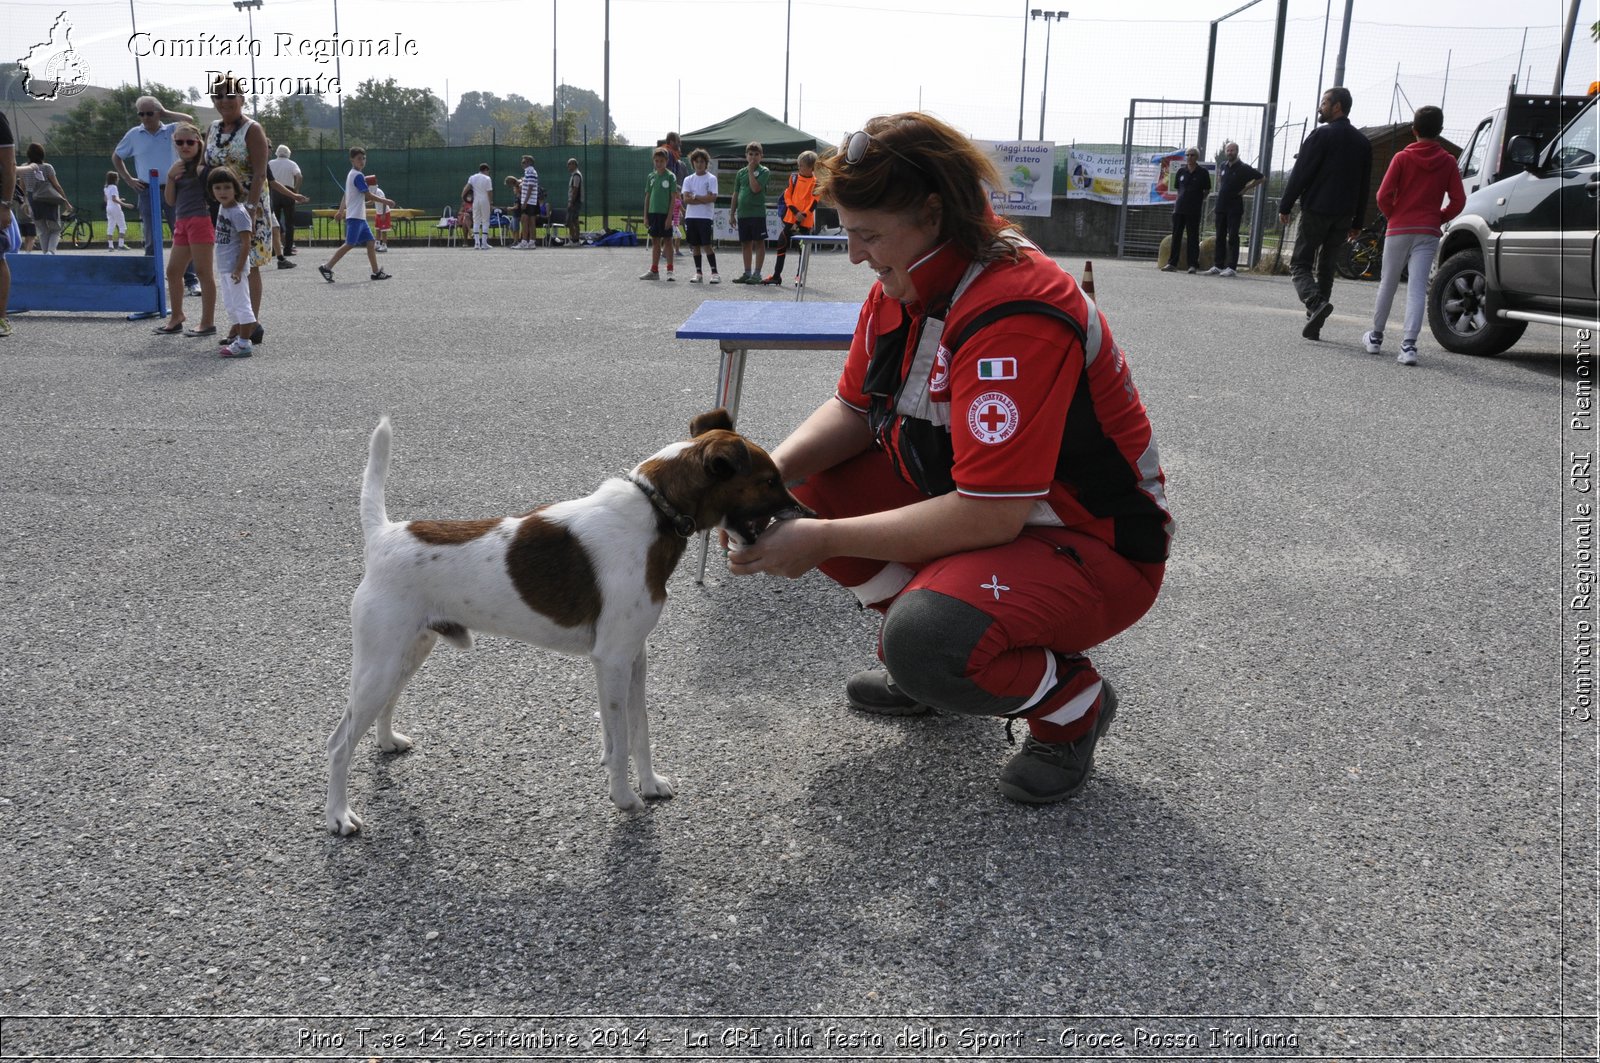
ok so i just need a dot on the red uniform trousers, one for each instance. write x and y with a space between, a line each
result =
999 631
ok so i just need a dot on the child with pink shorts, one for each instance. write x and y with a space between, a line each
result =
193 236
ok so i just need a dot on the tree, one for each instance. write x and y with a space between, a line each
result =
386 114
477 113
580 108
96 125
285 121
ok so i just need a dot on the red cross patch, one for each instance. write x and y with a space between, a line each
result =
992 417
940 380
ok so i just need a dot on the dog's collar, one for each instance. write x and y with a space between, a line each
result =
682 523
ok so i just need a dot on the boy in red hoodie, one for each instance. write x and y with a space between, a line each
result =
1413 198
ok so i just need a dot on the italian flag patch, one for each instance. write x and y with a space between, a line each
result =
997 369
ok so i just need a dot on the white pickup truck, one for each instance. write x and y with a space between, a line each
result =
1484 161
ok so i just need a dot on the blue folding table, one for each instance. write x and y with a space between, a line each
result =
740 326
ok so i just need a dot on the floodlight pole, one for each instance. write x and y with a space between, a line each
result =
134 18
249 8
1022 93
1270 126
1050 17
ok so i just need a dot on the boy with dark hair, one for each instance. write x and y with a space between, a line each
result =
660 197
358 189
1418 181
749 212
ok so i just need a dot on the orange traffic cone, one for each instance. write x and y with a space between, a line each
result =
1087 283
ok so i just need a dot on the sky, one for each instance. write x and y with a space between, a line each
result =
827 65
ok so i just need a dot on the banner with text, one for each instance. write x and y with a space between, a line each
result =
1099 176
1027 171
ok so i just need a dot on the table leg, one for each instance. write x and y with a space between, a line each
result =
730 381
800 278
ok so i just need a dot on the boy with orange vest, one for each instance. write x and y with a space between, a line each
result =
799 209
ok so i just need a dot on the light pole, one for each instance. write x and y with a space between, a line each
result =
1049 18
134 18
1022 92
249 8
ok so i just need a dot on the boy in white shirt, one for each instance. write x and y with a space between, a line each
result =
358 189
700 197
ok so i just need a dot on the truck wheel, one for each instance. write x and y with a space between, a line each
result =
1458 309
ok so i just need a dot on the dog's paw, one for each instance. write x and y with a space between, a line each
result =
656 788
625 799
343 822
394 742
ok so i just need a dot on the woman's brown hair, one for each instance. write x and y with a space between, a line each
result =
911 156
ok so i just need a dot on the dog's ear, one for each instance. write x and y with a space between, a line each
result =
710 422
726 458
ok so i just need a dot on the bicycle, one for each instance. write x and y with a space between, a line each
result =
1362 258
78 229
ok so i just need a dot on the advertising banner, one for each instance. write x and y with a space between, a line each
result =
1027 170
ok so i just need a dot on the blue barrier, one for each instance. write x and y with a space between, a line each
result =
134 284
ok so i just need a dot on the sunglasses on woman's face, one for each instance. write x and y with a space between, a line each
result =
183 143
854 148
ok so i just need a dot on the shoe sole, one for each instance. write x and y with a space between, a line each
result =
916 708
1102 727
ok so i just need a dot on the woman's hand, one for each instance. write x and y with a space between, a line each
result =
787 548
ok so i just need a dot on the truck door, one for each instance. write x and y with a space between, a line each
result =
1548 243
1475 156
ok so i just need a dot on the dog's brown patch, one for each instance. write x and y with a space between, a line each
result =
451 532
552 572
660 563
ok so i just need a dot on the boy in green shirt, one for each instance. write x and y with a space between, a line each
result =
750 213
660 192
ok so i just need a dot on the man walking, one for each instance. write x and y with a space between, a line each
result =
1234 179
1332 174
149 145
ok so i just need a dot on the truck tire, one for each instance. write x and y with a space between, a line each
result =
1458 308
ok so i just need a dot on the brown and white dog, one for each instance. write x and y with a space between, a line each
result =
587 576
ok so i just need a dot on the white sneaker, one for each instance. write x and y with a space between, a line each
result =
715 279
1407 355
1373 342
1213 272
1229 272
697 279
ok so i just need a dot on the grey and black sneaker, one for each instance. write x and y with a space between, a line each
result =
874 691
1315 318
1045 772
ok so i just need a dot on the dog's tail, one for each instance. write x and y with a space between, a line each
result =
374 510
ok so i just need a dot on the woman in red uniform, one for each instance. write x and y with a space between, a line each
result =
985 474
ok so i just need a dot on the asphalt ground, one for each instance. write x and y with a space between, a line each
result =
1334 807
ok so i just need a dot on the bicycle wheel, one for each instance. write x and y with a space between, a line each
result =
81 233
1362 258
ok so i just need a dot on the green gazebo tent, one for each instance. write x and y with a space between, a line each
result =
729 136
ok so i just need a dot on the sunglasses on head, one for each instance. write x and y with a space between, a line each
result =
854 148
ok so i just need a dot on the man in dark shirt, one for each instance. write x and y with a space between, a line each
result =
1234 179
1333 173
1193 184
